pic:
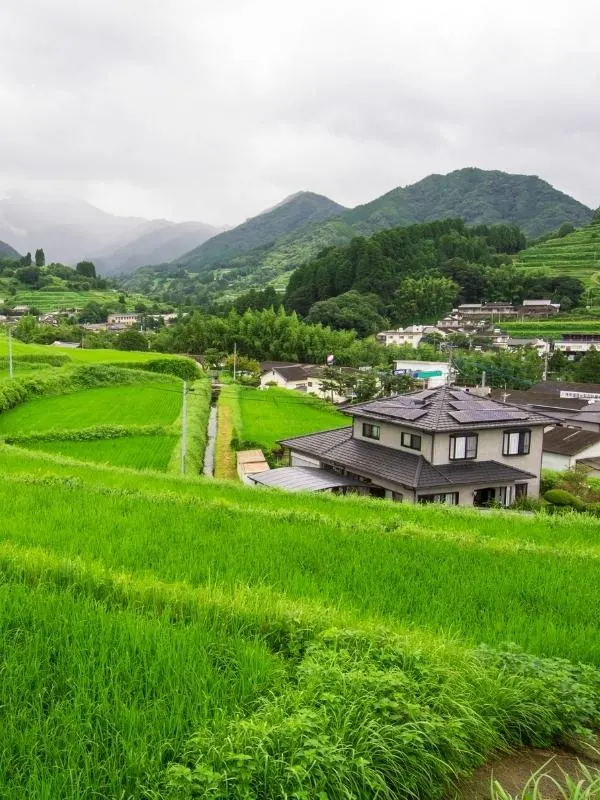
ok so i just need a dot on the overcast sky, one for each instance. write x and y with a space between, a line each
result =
214 111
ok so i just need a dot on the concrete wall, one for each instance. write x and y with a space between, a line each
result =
555 461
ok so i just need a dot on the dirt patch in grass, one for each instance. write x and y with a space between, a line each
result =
512 771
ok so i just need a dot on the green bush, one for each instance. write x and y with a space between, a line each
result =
42 358
548 480
558 497
89 434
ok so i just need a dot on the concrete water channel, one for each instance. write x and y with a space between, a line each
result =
209 453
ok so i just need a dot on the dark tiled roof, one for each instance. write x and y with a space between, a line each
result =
589 413
539 399
338 447
556 387
446 409
569 441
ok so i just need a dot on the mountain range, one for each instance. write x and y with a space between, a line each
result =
268 247
70 230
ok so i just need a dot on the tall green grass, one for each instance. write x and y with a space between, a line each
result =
95 700
455 585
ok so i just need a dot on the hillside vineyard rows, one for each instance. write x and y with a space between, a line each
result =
167 637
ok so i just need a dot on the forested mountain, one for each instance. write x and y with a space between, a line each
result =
268 248
417 274
476 196
7 250
260 232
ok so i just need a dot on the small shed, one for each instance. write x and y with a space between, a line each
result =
250 462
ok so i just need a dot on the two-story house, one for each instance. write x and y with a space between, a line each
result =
441 445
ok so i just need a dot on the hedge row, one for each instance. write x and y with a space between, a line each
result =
181 367
91 433
41 358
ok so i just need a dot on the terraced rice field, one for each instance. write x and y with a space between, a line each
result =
141 404
576 255
272 414
60 300
137 452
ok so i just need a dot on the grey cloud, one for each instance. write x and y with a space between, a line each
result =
217 111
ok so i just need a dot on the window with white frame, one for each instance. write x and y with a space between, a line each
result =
463 447
516 443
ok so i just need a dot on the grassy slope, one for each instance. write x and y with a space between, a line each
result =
77 355
576 255
62 299
280 413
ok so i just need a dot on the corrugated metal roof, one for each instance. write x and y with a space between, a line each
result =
339 448
303 479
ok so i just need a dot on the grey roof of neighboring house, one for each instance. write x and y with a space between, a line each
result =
589 413
556 387
568 441
593 463
539 400
303 479
338 447
446 409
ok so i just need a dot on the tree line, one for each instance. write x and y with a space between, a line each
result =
417 274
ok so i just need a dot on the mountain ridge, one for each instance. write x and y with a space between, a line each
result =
474 195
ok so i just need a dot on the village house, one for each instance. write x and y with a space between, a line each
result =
566 446
299 377
411 335
443 445
432 373
575 344
126 320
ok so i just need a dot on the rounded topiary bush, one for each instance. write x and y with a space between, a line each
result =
558 497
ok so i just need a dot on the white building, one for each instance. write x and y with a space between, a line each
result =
411 335
433 373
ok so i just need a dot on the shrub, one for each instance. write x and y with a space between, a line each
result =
183 368
558 497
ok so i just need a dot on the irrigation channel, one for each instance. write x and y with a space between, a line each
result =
209 453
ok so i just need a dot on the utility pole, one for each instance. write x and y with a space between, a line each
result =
184 428
545 373
10 360
234 360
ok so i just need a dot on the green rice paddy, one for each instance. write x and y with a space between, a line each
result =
271 414
138 452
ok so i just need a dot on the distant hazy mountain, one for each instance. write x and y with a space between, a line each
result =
261 232
164 242
71 230
7 250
